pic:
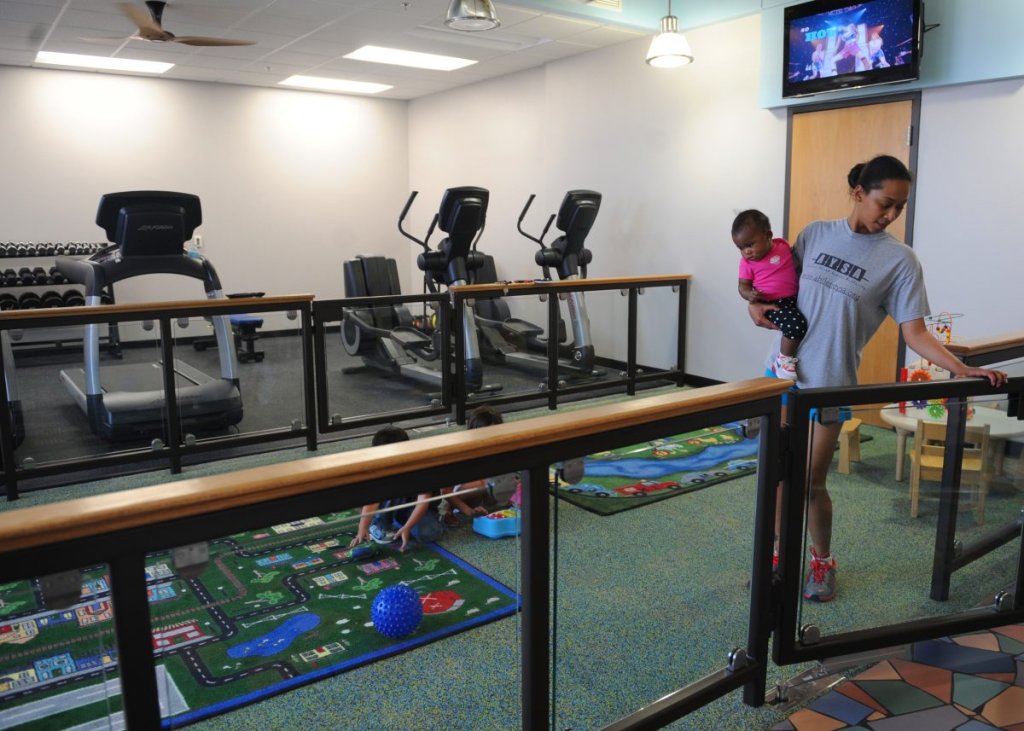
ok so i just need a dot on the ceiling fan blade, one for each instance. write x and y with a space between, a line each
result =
104 39
204 41
140 17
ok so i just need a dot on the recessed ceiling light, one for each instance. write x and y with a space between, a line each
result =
107 63
324 84
398 57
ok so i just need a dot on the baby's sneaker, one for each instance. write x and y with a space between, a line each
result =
785 367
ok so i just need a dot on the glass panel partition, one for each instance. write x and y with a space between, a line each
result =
652 563
58 655
378 619
74 401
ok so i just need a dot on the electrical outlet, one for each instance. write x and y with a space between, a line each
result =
199 242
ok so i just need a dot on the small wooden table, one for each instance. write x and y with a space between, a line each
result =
1001 427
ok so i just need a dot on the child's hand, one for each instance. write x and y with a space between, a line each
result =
479 510
756 296
360 537
403 533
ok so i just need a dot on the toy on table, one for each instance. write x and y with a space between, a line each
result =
499 524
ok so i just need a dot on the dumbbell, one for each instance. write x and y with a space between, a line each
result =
29 301
26 276
41 275
56 277
73 298
8 302
10 278
51 299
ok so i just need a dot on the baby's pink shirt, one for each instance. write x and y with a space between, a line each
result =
774 274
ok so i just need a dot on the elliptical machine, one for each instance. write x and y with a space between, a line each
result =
509 338
385 336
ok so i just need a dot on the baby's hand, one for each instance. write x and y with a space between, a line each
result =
479 510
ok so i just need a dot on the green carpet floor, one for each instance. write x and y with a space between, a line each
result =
647 601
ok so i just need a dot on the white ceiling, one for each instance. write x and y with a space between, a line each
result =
308 37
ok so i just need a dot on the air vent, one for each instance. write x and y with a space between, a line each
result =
614 5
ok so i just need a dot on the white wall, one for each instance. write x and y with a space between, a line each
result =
291 182
966 230
677 153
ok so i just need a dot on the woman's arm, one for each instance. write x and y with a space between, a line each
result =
921 342
756 311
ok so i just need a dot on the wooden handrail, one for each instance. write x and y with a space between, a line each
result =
100 514
991 344
143 308
505 287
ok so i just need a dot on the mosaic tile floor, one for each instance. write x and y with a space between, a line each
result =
967 683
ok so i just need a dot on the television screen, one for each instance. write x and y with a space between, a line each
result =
835 44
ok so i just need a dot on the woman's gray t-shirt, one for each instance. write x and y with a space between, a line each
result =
849 282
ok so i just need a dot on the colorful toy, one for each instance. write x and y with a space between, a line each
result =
942 325
499 524
396 611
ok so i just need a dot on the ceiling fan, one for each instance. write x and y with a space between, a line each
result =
150 28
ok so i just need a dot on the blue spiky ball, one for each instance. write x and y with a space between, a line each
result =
396 611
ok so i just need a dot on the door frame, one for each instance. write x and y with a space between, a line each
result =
914 97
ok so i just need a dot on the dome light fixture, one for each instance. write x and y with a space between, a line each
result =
669 48
472 15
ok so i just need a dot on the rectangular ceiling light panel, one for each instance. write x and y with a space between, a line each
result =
398 57
321 83
106 63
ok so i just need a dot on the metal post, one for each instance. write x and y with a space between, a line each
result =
308 380
320 359
553 349
460 357
134 634
7 447
681 335
949 498
761 609
536 589
170 395
631 341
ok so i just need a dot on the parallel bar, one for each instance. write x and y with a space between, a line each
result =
971 552
536 645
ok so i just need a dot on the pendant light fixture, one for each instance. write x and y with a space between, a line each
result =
669 48
472 15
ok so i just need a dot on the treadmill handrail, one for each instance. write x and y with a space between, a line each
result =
96 275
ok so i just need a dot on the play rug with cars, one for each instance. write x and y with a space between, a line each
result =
640 474
271 609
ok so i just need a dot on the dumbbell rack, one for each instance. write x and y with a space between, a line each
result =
23 286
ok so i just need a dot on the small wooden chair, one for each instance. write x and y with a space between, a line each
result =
928 454
849 445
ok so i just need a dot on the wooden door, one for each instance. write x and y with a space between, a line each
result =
824 145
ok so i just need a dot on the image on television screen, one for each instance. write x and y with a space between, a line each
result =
865 42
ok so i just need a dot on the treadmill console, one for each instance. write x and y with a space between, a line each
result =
149 223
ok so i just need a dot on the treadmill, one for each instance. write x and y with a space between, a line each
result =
126 401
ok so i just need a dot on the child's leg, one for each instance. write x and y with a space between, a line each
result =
788 347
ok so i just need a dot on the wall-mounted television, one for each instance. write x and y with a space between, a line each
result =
836 44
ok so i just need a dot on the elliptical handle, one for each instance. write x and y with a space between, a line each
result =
401 218
519 224
544 233
430 231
